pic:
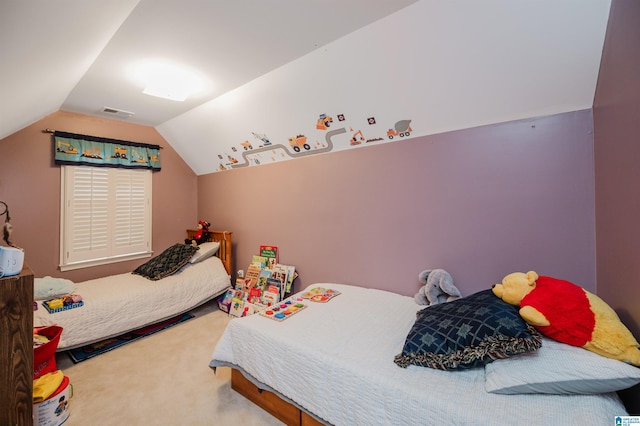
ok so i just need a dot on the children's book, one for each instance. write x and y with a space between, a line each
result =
286 274
260 260
265 274
290 278
239 283
271 262
248 309
243 284
254 295
271 252
253 273
270 299
236 308
274 285
281 272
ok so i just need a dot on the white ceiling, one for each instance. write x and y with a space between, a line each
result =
76 55
271 66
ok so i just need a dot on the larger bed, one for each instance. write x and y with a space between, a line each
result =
117 304
334 363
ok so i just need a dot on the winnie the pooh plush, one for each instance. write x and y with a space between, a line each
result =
570 314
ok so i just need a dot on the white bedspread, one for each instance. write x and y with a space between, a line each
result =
120 303
335 360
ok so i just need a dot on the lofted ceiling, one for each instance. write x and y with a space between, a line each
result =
454 64
77 55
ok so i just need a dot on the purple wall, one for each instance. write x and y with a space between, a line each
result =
617 170
617 165
480 203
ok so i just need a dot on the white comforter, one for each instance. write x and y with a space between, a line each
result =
120 303
335 360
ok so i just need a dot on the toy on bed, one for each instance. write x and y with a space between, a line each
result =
438 288
569 314
201 236
63 303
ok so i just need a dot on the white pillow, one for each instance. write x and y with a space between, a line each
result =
48 287
558 368
205 250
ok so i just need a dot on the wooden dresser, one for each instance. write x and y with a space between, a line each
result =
16 349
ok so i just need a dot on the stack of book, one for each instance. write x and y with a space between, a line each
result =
265 283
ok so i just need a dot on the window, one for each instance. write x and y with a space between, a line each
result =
105 216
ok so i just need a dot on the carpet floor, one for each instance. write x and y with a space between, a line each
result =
162 379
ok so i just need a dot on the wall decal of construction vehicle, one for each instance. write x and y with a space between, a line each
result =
262 137
66 148
401 129
311 142
324 121
357 138
299 142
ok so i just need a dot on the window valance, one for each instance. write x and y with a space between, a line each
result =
75 149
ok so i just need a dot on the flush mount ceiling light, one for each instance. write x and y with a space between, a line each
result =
168 80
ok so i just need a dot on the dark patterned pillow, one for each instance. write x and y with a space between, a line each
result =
167 262
467 333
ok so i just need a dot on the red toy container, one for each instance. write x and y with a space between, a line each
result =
44 356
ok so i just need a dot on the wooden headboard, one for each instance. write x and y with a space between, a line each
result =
225 252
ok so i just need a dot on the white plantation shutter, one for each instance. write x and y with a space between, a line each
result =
130 211
106 215
88 209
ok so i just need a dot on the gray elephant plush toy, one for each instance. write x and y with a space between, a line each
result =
438 288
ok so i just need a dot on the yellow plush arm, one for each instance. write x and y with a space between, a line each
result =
532 316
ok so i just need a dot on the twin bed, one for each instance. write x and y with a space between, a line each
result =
121 303
333 363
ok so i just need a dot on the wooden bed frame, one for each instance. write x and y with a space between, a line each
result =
294 416
271 403
225 251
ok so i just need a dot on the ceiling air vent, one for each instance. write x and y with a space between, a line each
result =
117 112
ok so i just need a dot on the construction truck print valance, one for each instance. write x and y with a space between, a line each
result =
74 149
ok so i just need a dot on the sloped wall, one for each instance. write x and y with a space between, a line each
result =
443 65
480 203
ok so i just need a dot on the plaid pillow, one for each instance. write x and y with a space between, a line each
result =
166 263
467 333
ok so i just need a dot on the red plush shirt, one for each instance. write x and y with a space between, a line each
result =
566 307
